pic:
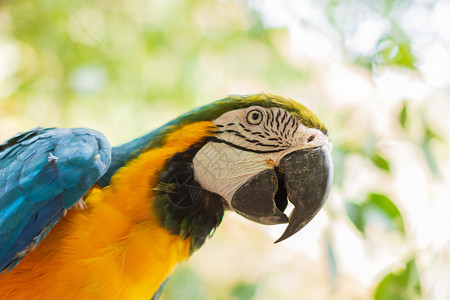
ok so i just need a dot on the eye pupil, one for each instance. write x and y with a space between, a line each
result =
254 117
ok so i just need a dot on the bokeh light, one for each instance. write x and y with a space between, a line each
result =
376 72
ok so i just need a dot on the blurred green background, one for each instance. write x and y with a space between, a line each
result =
376 72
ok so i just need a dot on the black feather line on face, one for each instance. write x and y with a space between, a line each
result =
276 122
277 119
249 140
267 122
217 140
284 125
272 120
182 205
285 114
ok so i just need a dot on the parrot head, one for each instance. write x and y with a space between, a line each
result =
263 151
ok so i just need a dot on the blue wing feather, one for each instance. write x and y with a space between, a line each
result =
44 172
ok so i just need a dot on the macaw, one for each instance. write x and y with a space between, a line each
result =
82 220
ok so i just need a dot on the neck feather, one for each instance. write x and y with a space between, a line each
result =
183 206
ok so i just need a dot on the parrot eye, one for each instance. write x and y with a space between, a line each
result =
254 117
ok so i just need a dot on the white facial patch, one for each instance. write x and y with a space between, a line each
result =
222 169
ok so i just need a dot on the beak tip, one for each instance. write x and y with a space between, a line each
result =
308 186
290 231
287 234
280 239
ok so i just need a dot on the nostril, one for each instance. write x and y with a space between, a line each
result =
311 138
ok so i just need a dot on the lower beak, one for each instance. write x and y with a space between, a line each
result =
303 177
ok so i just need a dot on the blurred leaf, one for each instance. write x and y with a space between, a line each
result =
386 206
380 161
403 116
243 291
404 56
403 285
370 144
363 61
392 52
430 134
332 264
356 214
428 151
184 284
388 5
370 150
338 155
377 208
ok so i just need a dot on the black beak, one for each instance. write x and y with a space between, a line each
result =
303 177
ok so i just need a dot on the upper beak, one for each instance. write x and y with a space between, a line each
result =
303 177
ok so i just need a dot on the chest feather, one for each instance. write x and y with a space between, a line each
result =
116 248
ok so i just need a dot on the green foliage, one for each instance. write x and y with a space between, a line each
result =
79 58
403 284
185 284
332 263
243 291
403 115
393 52
356 214
392 48
376 208
380 161
339 154
385 205
427 139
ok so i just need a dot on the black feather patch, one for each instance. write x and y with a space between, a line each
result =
184 207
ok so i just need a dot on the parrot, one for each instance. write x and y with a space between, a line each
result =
80 219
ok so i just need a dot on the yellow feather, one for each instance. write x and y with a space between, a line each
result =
115 249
